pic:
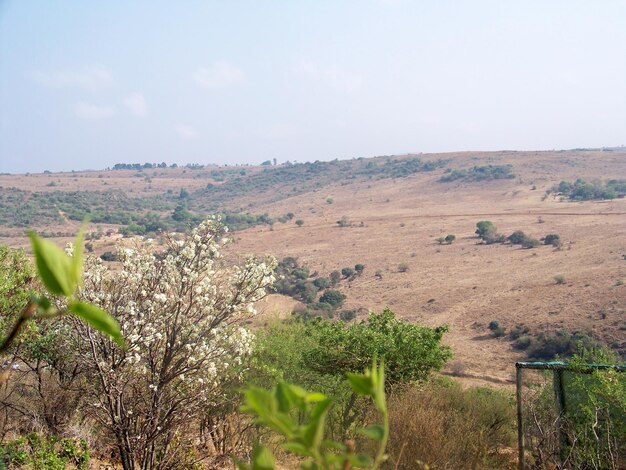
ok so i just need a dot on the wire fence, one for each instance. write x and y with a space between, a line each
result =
571 416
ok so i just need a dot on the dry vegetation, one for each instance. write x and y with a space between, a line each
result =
396 221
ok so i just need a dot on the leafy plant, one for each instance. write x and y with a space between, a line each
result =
276 410
61 274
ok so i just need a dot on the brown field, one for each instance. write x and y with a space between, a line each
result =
464 285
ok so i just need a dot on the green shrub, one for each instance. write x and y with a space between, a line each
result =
403 267
488 232
50 453
559 279
299 222
552 239
530 242
333 297
517 237
347 272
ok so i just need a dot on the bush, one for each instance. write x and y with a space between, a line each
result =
335 277
333 297
299 222
552 239
410 351
51 453
344 222
488 232
517 237
109 256
403 267
347 315
530 242
496 328
450 238
546 346
359 268
347 272
559 279
321 283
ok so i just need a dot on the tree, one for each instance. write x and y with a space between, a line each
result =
517 237
347 272
488 232
182 314
321 283
410 351
552 239
333 297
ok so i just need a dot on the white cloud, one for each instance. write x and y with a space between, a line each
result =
93 112
90 78
136 104
332 76
221 74
185 132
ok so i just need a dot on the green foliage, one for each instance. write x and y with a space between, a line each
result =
347 272
553 239
530 242
50 453
447 240
561 343
517 237
321 283
359 268
410 351
279 408
61 274
559 279
581 190
333 297
497 329
403 267
488 232
299 222
478 173
16 281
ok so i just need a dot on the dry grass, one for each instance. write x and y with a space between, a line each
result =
465 285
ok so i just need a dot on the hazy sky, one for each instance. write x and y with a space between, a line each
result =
92 83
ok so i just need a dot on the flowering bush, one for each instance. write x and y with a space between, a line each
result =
181 312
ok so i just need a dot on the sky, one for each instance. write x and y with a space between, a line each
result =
85 85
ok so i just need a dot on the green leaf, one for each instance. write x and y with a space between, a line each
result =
361 384
53 265
262 458
98 319
297 448
284 397
314 397
314 431
375 431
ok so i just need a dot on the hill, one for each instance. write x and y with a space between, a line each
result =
391 211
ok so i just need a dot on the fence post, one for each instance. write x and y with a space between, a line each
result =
520 422
559 395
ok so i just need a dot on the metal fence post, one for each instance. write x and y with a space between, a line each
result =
520 422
